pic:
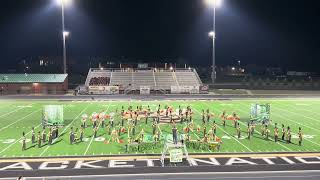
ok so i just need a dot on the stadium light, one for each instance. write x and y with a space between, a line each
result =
63 4
66 33
214 4
212 34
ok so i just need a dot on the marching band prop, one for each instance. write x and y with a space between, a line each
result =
52 115
260 113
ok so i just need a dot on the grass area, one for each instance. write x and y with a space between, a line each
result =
20 116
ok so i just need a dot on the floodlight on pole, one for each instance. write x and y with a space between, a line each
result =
65 34
64 2
214 4
212 34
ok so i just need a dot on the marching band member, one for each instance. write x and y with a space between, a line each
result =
94 118
263 130
223 118
111 119
276 133
71 138
288 135
203 117
205 139
76 137
50 137
33 138
133 130
122 121
234 115
95 131
102 117
44 135
81 134
114 136
267 132
283 132
252 128
249 131
214 127
300 136
39 140
84 119
239 131
208 116
24 146
175 134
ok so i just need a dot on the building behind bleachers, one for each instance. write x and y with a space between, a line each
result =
33 83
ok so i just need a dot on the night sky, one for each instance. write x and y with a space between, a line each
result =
265 32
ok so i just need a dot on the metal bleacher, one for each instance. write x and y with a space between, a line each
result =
155 79
187 79
96 73
165 80
121 78
143 78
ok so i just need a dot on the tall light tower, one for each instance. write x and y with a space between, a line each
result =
65 34
214 4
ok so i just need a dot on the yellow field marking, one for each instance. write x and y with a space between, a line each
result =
88 158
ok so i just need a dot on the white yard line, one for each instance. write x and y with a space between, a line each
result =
45 150
296 113
288 119
14 111
17 140
88 147
309 140
19 120
20 138
302 109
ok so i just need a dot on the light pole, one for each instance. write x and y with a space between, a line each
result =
212 34
65 33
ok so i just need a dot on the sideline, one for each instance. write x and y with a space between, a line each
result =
139 157
186 173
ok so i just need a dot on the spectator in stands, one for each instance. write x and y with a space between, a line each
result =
99 81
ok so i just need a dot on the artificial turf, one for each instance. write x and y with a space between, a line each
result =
20 116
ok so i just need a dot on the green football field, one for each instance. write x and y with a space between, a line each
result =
20 116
